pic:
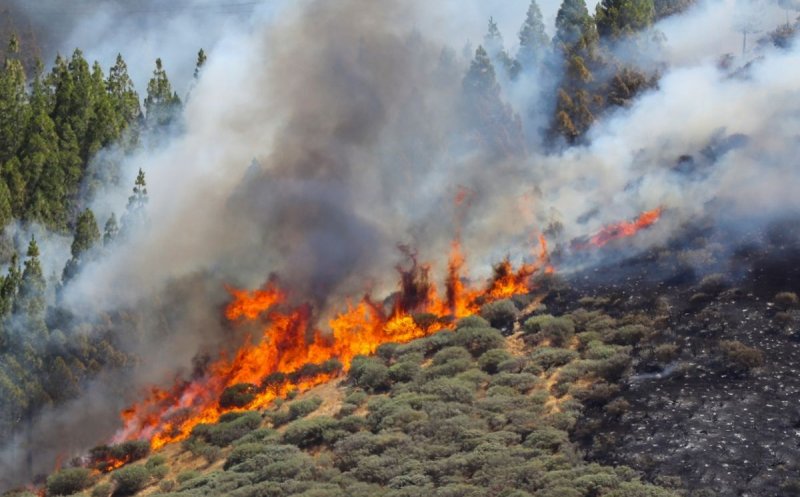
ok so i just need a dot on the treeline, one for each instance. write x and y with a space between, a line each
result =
579 58
52 127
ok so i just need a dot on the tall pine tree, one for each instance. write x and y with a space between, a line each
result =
533 41
162 103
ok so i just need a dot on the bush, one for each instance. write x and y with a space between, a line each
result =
369 374
159 472
130 479
102 490
311 432
239 395
404 371
550 357
232 426
240 454
713 284
478 340
154 461
557 330
739 358
303 408
472 322
490 360
167 485
500 314
68 481
627 335
787 300
450 389
449 354
666 353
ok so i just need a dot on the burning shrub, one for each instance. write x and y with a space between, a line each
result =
739 358
106 457
130 479
273 381
556 330
478 340
490 360
238 395
500 314
68 481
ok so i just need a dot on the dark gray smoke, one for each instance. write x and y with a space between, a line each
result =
355 120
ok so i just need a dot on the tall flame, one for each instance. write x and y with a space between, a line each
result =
280 360
622 229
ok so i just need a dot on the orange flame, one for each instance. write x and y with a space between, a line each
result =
281 359
623 229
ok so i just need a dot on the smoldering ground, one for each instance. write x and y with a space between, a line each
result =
355 122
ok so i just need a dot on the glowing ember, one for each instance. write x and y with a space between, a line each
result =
293 355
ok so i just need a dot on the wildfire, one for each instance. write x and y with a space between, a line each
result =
292 354
622 229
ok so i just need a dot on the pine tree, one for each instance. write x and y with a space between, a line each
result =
6 210
10 286
162 103
485 113
86 236
574 26
123 94
493 43
201 61
30 301
110 230
135 213
13 103
104 125
618 18
533 41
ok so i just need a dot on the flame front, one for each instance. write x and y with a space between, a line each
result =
622 229
280 360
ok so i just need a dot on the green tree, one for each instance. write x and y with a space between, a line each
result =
135 214
86 236
201 61
13 103
574 26
9 286
494 46
30 301
533 41
6 209
162 103
104 125
123 94
618 18
487 117
110 230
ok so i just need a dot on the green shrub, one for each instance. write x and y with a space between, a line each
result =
449 354
551 357
239 395
302 408
167 485
404 371
522 382
68 481
369 373
473 321
232 426
546 439
210 453
666 353
242 453
102 490
478 340
557 330
159 472
130 479
500 314
311 432
627 335
450 389
185 476
490 360
154 461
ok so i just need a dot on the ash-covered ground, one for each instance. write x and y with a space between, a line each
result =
707 416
